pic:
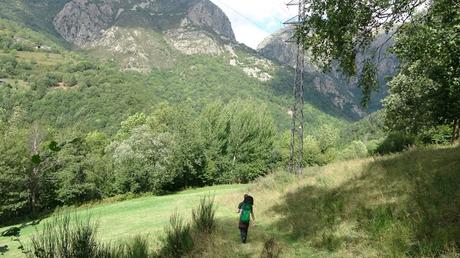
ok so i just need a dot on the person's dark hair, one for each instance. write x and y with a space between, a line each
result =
248 199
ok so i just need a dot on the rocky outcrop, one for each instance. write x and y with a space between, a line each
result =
208 15
334 84
83 21
276 47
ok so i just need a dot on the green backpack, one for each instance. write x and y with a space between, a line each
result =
245 216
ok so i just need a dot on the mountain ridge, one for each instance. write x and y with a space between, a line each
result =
82 21
128 36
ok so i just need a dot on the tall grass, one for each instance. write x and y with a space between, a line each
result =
70 236
204 215
178 240
66 236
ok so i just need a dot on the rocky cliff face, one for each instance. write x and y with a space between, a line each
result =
336 84
277 48
83 21
208 15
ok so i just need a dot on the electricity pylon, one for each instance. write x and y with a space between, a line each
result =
297 123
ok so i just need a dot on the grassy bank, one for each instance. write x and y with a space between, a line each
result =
404 205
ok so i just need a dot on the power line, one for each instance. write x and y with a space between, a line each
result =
250 20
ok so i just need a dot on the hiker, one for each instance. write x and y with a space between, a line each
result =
246 210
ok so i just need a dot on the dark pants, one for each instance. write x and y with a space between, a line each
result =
243 231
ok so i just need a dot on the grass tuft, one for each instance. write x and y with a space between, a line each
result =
178 240
204 215
66 235
272 249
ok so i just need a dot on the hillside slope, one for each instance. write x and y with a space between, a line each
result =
151 36
402 205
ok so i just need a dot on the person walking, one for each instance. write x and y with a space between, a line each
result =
246 211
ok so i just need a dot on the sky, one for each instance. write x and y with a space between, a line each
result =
254 20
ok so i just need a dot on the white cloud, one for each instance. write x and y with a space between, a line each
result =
253 20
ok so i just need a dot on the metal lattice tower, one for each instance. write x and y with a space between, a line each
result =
297 124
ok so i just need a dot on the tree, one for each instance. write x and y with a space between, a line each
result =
427 44
337 30
14 167
426 93
239 140
27 183
143 161
74 168
189 158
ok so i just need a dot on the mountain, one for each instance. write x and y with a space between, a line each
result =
108 59
278 48
84 21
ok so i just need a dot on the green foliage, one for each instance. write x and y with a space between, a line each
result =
14 167
426 92
328 137
178 240
204 215
144 161
368 82
138 247
395 142
312 151
66 236
239 139
74 186
355 150
438 135
341 30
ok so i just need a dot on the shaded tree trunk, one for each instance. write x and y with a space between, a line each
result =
456 131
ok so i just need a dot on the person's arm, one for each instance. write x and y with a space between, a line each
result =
253 217
239 208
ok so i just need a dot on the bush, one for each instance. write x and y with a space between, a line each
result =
66 236
271 249
178 238
204 216
395 142
137 248
437 135
70 236
357 149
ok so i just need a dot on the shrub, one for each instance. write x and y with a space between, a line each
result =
271 249
204 216
66 236
178 238
356 149
395 142
137 248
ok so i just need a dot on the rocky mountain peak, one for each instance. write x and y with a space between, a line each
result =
83 21
277 48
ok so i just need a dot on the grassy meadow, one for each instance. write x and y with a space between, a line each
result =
402 205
